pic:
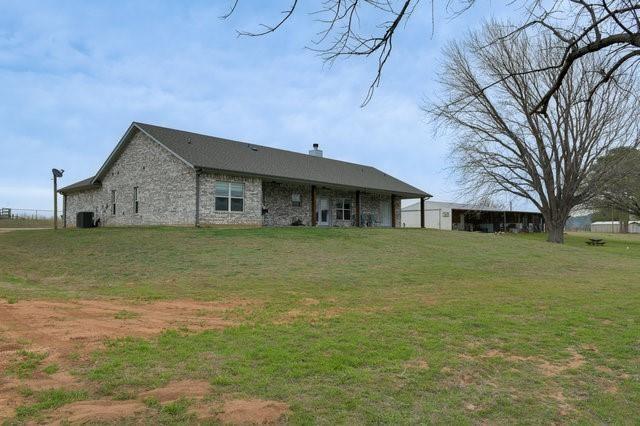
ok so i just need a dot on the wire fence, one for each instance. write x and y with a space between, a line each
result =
20 218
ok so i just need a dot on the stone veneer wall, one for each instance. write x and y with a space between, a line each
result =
166 189
89 200
281 212
333 195
252 214
370 204
280 209
397 206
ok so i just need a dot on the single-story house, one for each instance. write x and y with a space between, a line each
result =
468 217
161 176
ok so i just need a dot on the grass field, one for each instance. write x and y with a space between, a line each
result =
26 223
334 325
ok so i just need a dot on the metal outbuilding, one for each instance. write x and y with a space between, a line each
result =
614 226
468 217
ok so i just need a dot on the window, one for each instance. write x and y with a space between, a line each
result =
229 196
113 202
343 209
135 199
295 200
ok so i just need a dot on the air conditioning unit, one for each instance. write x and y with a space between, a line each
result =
84 220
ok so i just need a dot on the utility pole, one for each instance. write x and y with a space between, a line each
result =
56 174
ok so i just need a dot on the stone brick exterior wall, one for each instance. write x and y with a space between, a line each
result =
252 214
281 212
280 209
333 195
166 189
167 195
371 204
81 202
397 206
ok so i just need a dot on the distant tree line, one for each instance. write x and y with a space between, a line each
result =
618 196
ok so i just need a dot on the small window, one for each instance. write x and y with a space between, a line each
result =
295 200
343 209
113 202
135 200
229 196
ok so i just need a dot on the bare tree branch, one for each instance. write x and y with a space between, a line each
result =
269 29
582 27
231 10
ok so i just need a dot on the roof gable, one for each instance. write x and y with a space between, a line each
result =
122 143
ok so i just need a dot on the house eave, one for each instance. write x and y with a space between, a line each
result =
401 194
66 191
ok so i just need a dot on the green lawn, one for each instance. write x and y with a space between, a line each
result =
410 326
26 223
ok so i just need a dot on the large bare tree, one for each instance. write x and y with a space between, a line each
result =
364 28
501 145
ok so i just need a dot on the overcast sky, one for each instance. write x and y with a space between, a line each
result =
74 75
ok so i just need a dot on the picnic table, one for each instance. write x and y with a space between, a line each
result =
595 242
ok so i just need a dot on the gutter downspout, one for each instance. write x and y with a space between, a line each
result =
198 172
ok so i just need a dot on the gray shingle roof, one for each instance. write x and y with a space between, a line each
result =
217 154
214 153
79 186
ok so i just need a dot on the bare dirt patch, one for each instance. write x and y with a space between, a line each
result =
563 407
67 332
469 406
417 364
61 325
549 369
97 411
252 411
546 367
309 315
193 389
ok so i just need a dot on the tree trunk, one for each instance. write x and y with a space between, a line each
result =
555 233
555 227
624 226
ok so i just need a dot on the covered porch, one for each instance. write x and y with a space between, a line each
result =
300 204
340 207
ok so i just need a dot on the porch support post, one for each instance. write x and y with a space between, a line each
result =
314 220
358 208
421 212
393 211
